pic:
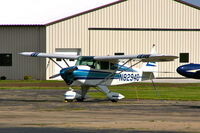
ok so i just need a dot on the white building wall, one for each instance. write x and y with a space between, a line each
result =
74 33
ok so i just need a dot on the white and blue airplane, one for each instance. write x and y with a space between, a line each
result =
103 71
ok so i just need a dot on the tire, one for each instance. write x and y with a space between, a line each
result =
114 100
69 100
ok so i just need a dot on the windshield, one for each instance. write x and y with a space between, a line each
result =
88 61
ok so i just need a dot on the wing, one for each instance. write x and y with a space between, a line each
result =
45 55
142 57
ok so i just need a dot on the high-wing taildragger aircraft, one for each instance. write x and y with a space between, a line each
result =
103 71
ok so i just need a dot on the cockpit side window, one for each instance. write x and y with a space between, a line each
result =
87 61
113 66
104 65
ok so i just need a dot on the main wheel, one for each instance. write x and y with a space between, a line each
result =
69 100
114 100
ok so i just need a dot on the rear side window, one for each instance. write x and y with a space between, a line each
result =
104 65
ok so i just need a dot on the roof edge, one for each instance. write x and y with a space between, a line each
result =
39 25
85 12
188 4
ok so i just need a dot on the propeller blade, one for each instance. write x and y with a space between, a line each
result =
71 70
54 76
68 70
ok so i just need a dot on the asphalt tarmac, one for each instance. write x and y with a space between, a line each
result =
43 111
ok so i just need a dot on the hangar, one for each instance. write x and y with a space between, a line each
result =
109 28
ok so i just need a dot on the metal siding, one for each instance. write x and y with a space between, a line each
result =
17 39
74 33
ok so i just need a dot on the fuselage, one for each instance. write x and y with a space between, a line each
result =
90 72
85 75
88 76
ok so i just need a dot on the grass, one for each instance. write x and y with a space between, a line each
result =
165 91
29 81
34 87
162 92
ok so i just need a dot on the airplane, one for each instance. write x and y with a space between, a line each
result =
189 70
103 71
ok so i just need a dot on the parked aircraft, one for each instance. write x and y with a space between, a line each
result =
103 71
189 70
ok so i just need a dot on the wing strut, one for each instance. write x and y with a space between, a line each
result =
112 74
66 62
55 63
131 66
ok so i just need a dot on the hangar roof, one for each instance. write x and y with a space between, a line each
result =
43 12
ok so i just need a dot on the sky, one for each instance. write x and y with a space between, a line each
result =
44 11
194 2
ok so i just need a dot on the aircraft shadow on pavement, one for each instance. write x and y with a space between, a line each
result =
189 106
73 130
29 100
40 100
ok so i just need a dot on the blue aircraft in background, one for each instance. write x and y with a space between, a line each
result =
189 70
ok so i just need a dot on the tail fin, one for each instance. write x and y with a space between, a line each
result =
150 68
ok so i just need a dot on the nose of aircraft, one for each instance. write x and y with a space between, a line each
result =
181 70
189 70
67 74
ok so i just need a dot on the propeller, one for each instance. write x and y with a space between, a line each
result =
66 74
68 70
54 76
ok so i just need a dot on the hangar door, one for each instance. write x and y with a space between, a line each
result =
139 41
61 62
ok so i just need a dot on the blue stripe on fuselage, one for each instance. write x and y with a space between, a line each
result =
90 74
124 68
95 74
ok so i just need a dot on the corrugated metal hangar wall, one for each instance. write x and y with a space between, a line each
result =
15 39
129 27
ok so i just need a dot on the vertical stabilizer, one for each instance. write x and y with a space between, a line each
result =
150 68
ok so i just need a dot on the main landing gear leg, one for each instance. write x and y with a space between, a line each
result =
84 90
113 96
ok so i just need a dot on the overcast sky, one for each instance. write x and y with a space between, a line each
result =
44 11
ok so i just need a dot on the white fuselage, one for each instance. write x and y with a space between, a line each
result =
92 77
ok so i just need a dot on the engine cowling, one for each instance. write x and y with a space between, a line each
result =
67 74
